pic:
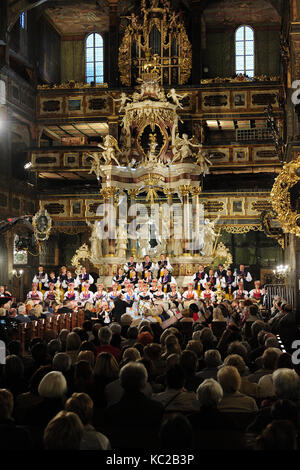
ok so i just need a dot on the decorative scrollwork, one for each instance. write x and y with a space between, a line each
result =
241 228
70 85
241 78
83 252
155 42
222 255
270 231
289 176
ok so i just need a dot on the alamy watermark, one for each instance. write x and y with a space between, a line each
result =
296 94
2 352
137 221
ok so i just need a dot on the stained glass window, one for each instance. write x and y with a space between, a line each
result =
244 51
94 58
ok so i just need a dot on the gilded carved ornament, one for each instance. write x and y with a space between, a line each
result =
82 253
169 26
240 79
288 218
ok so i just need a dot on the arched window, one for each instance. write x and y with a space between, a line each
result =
94 58
22 20
244 51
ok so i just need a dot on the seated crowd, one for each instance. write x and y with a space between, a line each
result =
215 376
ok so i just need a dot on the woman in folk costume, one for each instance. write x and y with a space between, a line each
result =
35 294
86 295
190 295
153 288
146 295
257 293
240 293
50 294
174 297
100 294
159 294
208 294
71 293
114 293
140 286
130 296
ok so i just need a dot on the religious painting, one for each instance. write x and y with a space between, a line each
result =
42 224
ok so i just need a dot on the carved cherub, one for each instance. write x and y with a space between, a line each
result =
124 98
96 167
176 97
181 149
173 19
109 149
203 161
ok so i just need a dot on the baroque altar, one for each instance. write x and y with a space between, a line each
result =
151 176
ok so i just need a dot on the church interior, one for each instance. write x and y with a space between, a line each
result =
150 132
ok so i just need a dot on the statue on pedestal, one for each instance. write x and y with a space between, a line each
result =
96 242
121 241
209 236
